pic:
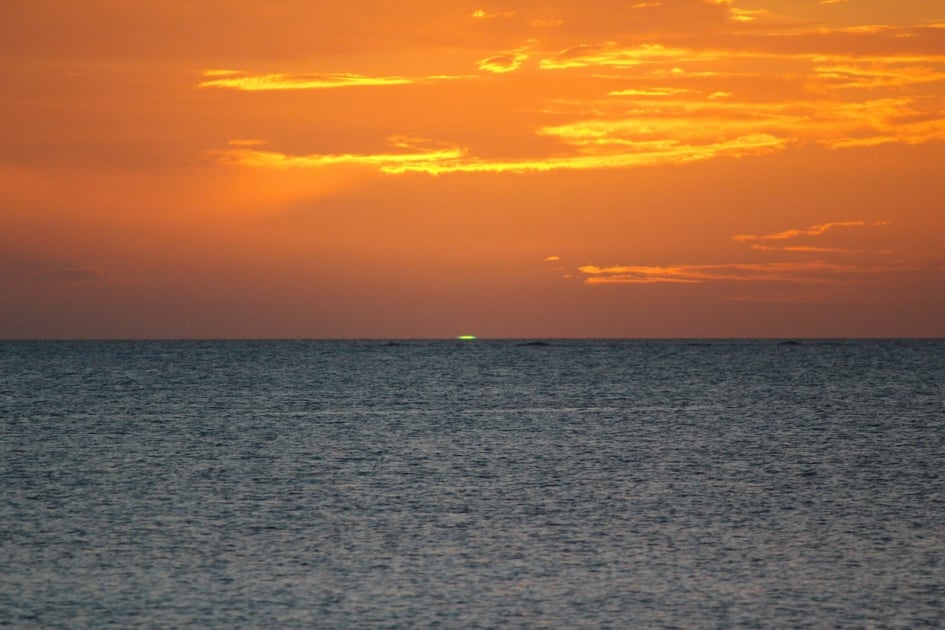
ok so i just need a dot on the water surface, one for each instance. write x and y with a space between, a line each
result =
472 484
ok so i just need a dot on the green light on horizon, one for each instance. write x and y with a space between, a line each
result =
466 337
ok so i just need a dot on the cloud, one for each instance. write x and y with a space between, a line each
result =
283 81
684 126
813 230
851 74
482 14
640 97
810 295
614 55
801 248
807 273
414 151
654 91
442 159
246 142
222 73
818 272
503 63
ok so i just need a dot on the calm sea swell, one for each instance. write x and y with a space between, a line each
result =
486 483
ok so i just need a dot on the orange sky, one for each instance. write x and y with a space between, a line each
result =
604 168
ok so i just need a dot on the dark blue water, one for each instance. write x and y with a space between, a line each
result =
473 484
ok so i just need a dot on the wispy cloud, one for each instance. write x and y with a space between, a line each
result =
453 159
614 55
818 272
506 62
284 81
800 248
799 277
682 125
850 74
482 14
679 100
412 153
546 23
813 230
653 91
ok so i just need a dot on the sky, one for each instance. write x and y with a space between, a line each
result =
514 169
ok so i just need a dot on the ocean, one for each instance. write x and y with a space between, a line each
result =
462 484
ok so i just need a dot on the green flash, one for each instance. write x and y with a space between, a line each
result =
466 337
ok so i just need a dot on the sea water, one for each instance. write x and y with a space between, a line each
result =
691 484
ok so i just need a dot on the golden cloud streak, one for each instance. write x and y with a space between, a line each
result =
679 119
481 14
611 54
272 82
813 272
814 230
234 80
656 91
850 75
870 69
242 155
791 272
440 161
665 131
801 248
503 63
831 123
546 23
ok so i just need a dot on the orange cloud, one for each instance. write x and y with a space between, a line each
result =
282 81
814 230
802 273
482 14
793 272
843 74
438 161
687 125
499 64
414 153
654 91
270 82
546 22
614 55
680 100
800 248
684 125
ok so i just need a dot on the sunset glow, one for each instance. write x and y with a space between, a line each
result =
623 169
